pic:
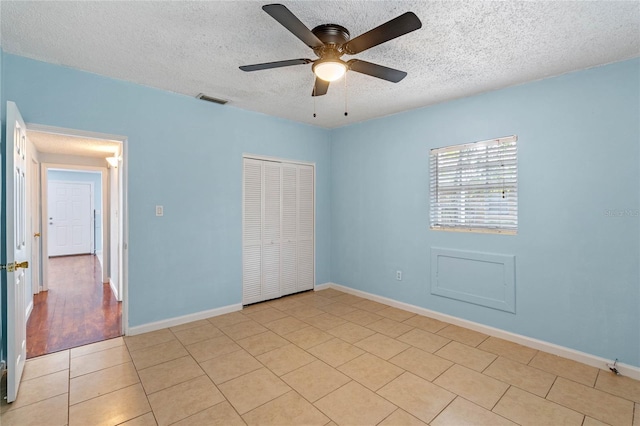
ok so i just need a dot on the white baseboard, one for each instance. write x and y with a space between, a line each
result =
29 310
99 256
172 322
572 354
114 289
324 286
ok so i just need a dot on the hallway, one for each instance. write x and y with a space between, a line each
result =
78 308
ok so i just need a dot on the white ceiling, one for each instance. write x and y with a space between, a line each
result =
463 48
72 145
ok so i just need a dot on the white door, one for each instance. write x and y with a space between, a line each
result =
261 231
306 268
252 232
289 247
271 231
70 217
16 255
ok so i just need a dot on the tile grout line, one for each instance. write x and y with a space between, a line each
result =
140 383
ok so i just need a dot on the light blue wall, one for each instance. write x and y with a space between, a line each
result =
576 268
185 154
577 276
93 177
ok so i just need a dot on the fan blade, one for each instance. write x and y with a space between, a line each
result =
376 70
396 27
288 20
320 87
277 64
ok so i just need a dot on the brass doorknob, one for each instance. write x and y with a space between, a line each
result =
36 235
24 264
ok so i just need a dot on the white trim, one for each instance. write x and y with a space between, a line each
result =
572 354
114 290
324 286
124 215
172 322
99 257
54 130
278 160
27 314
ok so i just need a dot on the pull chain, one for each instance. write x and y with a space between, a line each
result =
345 95
314 100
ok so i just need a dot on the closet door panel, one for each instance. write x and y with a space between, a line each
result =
306 274
289 255
305 265
271 230
252 232
251 277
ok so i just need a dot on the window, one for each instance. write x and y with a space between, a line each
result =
474 187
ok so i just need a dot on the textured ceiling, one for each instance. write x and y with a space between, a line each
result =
71 145
463 48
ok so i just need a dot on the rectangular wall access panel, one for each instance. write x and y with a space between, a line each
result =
484 279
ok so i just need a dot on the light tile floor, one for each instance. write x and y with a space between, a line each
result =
317 358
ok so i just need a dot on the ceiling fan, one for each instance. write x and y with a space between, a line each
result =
330 42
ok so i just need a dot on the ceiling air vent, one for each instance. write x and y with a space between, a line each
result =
210 99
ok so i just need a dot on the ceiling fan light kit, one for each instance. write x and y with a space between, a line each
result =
329 70
330 42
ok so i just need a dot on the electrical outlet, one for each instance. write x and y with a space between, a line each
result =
399 275
159 211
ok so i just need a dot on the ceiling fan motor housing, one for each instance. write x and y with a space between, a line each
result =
331 34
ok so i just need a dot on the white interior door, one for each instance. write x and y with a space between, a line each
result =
16 255
70 218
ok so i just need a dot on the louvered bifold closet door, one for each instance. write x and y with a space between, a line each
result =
305 228
271 230
289 246
252 232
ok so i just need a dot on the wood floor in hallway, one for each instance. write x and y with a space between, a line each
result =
78 308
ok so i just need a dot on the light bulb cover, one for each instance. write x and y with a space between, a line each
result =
329 70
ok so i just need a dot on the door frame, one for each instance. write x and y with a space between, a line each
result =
123 190
92 206
34 211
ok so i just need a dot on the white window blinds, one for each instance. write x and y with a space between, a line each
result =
474 187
